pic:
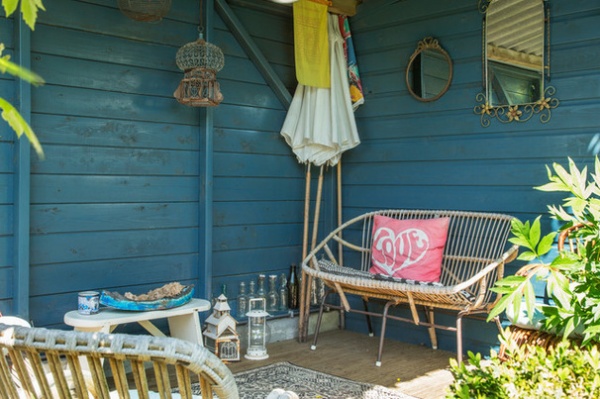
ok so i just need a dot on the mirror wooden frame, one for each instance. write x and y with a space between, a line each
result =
516 112
429 43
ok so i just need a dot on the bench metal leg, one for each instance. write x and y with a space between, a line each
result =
386 308
369 325
459 349
318 326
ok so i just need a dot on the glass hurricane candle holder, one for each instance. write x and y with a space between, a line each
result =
257 330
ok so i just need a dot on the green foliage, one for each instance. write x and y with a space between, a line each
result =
529 372
573 277
29 11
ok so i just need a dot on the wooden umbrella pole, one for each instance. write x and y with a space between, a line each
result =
313 243
302 335
306 211
339 210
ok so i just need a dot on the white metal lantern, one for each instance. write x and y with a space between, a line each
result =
257 330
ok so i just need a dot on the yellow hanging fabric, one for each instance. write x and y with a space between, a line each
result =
311 44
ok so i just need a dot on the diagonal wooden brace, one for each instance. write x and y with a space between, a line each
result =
413 308
343 298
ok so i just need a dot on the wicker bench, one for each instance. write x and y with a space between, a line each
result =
44 363
474 257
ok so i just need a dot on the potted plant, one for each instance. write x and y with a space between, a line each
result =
572 279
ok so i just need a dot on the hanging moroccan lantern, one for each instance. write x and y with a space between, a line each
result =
200 61
145 10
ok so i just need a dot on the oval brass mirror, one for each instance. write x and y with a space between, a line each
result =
429 71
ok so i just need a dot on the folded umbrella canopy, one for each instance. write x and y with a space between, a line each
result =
320 123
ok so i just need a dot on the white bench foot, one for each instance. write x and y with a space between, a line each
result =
313 347
371 334
378 364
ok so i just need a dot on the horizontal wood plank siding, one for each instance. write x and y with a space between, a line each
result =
115 203
437 155
258 184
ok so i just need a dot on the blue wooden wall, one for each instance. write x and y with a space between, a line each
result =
138 190
258 186
437 155
120 202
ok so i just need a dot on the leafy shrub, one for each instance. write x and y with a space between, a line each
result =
572 282
573 277
529 372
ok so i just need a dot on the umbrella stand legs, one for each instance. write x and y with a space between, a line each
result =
306 211
313 295
339 210
302 330
307 281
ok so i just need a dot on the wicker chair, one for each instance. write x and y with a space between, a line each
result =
44 363
474 258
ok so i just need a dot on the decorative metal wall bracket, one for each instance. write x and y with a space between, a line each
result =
516 113
482 5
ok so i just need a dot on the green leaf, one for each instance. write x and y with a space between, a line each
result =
569 327
520 241
535 232
7 66
577 204
545 244
560 214
29 9
579 179
516 300
499 308
552 187
511 280
529 300
9 6
563 175
19 125
527 256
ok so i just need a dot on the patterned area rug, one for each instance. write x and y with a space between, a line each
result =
308 384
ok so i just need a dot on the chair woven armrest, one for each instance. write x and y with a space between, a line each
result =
58 363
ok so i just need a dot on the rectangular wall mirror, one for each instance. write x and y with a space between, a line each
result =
515 61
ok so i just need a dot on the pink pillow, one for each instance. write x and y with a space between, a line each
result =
410 249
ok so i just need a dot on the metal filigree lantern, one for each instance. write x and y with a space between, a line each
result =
145 10
200 61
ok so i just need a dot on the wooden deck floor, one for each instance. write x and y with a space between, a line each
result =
414 370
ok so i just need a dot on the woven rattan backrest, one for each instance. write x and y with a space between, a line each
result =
474 240
56 363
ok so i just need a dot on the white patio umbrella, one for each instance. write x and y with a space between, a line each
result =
319 127
320 123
